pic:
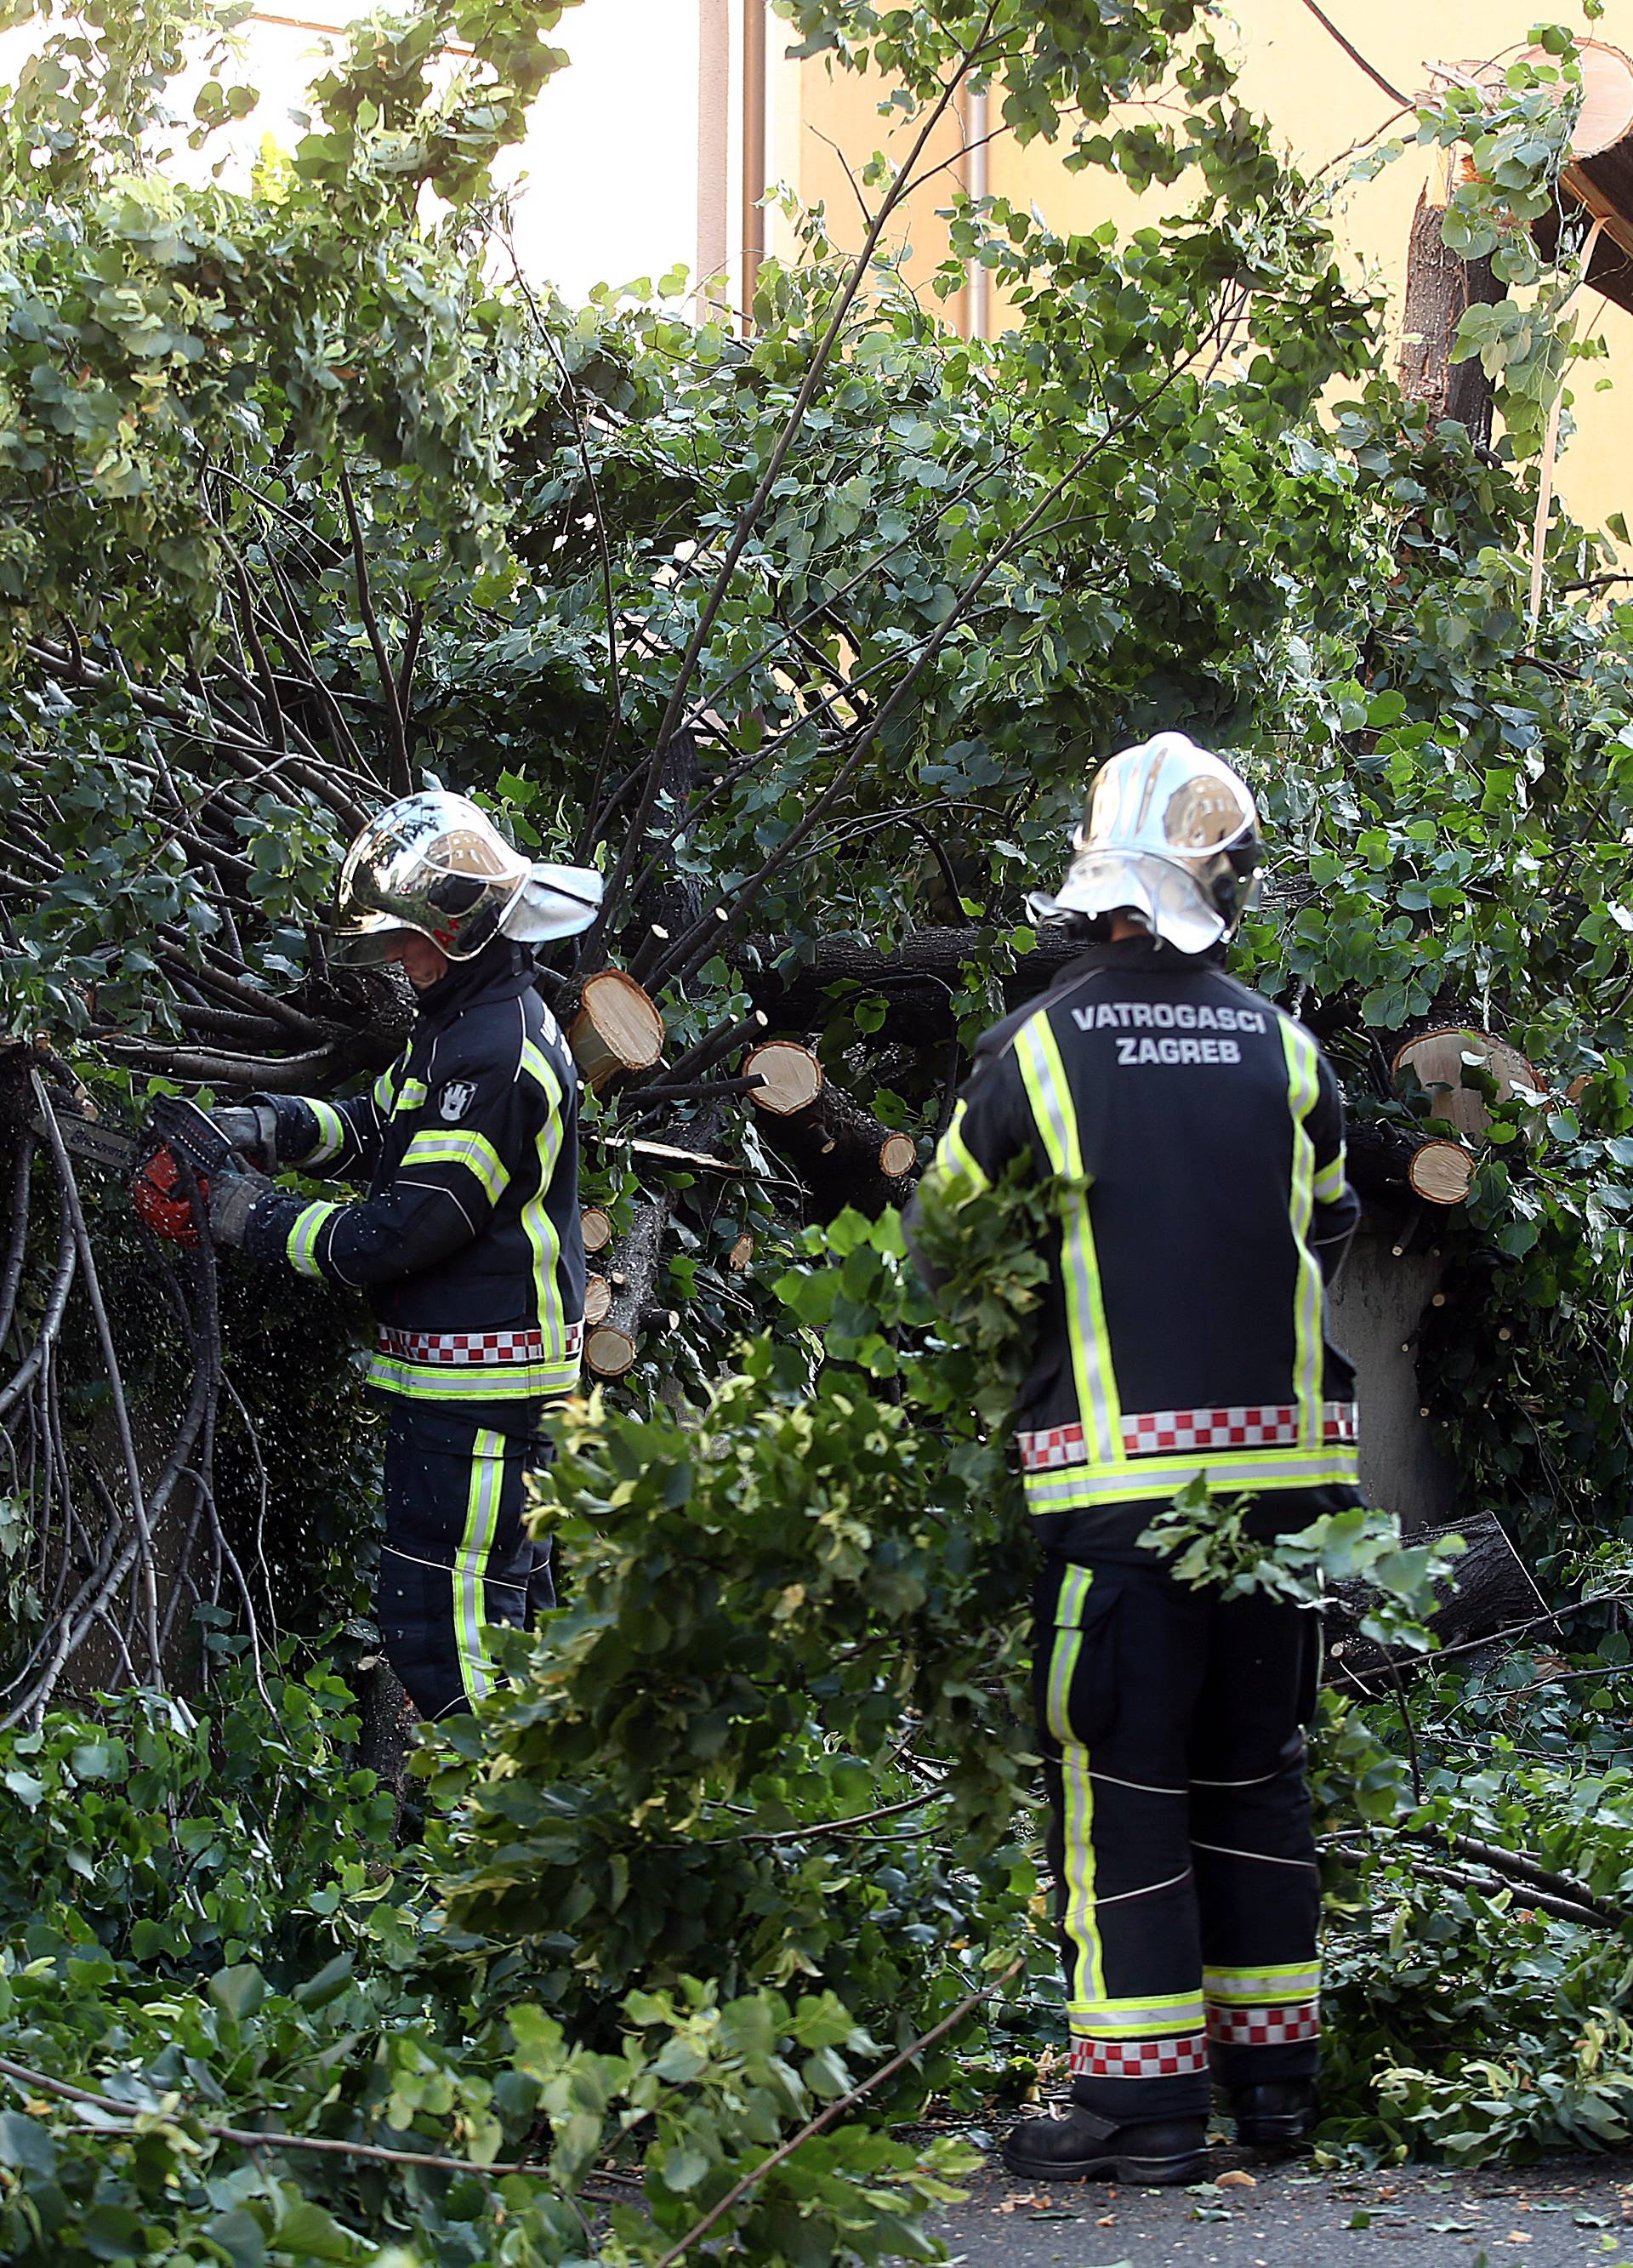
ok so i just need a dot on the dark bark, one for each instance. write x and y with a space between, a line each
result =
1490 1590
916 978
833 1146
387 1728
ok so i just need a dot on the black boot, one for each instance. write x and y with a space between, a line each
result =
1080 2143
1276 2114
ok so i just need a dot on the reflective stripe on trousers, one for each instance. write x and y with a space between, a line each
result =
456 1559
1180 1832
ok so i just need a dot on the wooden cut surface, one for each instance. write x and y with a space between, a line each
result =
1606 114
898 1154
791 1074
1437 1059
598 1298
609 1352
1441 1173
617 1028
596 1228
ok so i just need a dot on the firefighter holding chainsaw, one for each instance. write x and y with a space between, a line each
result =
1194 1134
468 1242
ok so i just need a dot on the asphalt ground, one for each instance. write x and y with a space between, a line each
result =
1258 2212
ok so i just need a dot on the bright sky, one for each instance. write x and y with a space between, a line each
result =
610 164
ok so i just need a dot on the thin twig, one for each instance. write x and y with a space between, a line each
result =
110 1363
11 1275
253 2137
1358 58
748 518
704 936
614 680
740 2190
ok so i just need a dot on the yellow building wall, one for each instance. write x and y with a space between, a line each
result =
1320 104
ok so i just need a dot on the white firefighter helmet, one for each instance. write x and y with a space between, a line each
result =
1171 835
436 864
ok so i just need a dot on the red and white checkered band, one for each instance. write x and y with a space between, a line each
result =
1171 2059
1156 1433
440 1347
1265 2027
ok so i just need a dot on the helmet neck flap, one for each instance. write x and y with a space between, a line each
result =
1171 836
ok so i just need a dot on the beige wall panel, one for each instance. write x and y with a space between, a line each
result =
839 113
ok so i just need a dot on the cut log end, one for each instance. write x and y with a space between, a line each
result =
1441 1173
1437 1059
741 1253
596 1227
608 1351
898 1154
617 1028
598 1299
791 1077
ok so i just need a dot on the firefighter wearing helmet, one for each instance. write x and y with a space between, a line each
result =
468 1242
1194 1135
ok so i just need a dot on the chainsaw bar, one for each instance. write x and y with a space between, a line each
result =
83 1138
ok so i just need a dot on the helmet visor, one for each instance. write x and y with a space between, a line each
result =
432 863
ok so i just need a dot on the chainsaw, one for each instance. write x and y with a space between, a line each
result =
150 1161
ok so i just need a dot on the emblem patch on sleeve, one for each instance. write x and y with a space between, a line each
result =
455 1099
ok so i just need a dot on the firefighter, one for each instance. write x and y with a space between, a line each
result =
1194 1135
468 1242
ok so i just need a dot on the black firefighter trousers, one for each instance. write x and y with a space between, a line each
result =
456 1558
1171 1724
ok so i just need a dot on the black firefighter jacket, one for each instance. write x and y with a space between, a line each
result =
1195 1134
468 1242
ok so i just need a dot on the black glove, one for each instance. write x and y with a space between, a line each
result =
235 1190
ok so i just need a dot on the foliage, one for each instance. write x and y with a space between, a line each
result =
1467 2019
798 1610
185 1847
1212 1546
302 497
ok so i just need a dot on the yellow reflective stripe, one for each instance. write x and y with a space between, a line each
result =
1081 1921
507 1381
470 1565
954 1160
300 1245
1160 1478
1303 1088
1037 1051
1087 1980
331 1133
540 1229
1074 1589
1155 2015
538 1066
412 1092
1329 1182
1263 1987
383 1090
475 1152
1043 1074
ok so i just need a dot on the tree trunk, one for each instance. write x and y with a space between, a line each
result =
387 1730
1439 287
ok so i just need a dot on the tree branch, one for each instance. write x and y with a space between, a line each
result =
400 771
748 518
